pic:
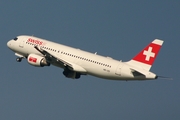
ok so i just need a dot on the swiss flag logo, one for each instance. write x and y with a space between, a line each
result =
148 54
32 59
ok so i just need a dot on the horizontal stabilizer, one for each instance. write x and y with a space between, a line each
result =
136 73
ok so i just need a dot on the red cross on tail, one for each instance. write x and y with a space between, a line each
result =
146 57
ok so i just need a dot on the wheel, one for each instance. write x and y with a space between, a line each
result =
18 59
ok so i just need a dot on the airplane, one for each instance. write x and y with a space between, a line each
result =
75 62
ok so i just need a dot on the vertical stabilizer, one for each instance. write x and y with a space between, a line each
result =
147 56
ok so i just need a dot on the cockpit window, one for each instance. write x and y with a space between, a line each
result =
15 38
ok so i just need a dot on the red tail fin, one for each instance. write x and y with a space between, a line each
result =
147 56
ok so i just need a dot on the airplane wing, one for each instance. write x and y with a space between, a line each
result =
55 59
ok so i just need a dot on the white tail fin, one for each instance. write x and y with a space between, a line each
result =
147 56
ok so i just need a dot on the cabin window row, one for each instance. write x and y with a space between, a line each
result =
47 48
86 59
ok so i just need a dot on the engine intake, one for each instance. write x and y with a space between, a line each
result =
37 60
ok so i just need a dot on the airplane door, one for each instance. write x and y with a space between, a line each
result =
21 44
118 70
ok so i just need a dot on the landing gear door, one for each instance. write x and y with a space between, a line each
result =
118 70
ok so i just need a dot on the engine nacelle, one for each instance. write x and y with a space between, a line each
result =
37 60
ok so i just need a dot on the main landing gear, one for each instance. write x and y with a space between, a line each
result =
18 59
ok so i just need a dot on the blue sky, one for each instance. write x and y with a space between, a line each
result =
118 29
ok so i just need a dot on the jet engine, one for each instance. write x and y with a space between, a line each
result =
37 60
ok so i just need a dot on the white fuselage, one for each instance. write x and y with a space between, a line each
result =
96 65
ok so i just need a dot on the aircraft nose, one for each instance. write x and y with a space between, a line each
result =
9 44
